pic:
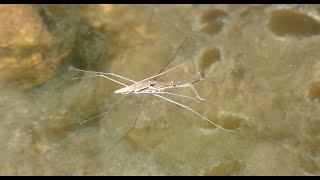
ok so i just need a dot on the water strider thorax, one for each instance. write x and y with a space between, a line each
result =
148 87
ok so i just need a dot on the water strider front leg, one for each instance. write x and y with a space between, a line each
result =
195 91
184 85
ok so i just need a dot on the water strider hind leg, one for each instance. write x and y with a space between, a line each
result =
157 75
180 95
132 126
194 111
106 112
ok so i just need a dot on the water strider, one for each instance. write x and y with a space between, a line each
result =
150 86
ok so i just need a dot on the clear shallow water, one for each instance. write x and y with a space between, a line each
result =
261 72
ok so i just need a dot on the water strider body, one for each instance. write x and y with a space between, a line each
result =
143 87
152 87
155 88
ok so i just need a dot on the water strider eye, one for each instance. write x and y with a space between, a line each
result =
151 83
